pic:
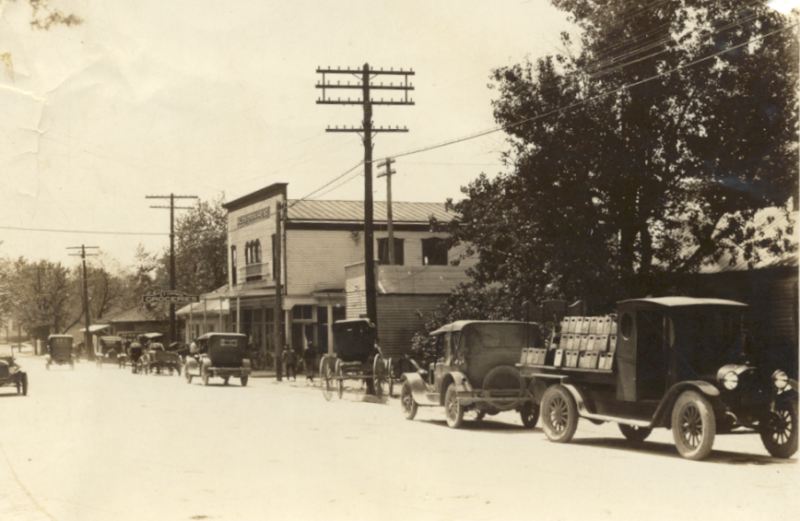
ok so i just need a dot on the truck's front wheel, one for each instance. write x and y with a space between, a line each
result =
453 410
559 414
693 425
779 429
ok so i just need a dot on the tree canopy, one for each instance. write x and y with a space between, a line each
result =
644 148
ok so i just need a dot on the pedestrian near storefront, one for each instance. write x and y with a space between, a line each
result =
309 359
290 363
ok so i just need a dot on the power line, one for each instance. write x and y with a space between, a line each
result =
589 99
87 232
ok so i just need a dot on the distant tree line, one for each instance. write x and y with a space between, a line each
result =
46 297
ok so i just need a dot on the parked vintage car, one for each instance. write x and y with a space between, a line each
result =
475 372
673 362
59 351
11 373
107 349
220 355
156 359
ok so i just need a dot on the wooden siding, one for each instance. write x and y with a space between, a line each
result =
399 317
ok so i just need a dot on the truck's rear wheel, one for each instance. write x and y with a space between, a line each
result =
779 429
407 402
559 414
453 410
633 433
529 413
693 425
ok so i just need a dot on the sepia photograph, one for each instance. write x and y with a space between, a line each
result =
382 260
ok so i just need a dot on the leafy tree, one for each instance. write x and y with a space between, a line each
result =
612 182
41 295
201 248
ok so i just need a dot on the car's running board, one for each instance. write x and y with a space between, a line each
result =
616 419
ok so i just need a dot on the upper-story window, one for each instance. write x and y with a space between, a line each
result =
383 251
252 252
233 265
434 252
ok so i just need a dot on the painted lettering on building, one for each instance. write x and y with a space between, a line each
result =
250 218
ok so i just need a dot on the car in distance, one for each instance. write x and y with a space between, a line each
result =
219 355
11 373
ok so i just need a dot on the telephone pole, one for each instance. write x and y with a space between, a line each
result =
388 173
172 197
278 304
367 131
87 322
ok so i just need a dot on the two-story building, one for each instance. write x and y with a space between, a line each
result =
319 239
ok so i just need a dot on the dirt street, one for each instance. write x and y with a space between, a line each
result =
107 445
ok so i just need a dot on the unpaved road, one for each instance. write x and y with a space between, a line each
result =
103 444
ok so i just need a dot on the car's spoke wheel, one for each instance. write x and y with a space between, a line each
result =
529 413
559 414
407 402
379 376
25 385
779 429
453 410
634 433
693 425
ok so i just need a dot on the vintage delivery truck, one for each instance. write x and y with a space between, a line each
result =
675 362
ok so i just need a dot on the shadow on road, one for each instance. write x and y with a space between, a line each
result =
485 425
669 450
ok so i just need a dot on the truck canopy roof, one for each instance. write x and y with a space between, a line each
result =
458 325
677 302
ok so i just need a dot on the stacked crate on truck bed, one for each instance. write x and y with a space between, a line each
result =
582 343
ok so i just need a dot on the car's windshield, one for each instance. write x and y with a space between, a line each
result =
709 338
509 334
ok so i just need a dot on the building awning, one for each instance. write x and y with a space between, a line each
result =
210 306
95 328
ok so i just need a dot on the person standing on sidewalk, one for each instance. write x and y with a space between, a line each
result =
309 358
289 362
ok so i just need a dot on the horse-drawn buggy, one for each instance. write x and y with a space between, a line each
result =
475 371
107 349
357 357
59 351
221 355
156 359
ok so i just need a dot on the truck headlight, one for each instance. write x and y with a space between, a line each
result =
780 379
730 380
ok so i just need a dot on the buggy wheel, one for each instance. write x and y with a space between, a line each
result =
407 402
379 375
529 413
326 373
559 414
453 410
634 433
243 380
339 379
778 429
693 425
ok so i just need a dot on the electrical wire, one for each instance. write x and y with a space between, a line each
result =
87 232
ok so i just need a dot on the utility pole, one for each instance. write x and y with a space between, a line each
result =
278 305
172 208
387 163
87 322
367 131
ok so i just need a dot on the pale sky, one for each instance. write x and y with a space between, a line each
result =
203 97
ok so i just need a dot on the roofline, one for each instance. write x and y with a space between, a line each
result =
307 224
258 195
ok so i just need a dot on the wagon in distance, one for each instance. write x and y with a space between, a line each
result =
59 351
475 372
219 355
677 362
11 373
